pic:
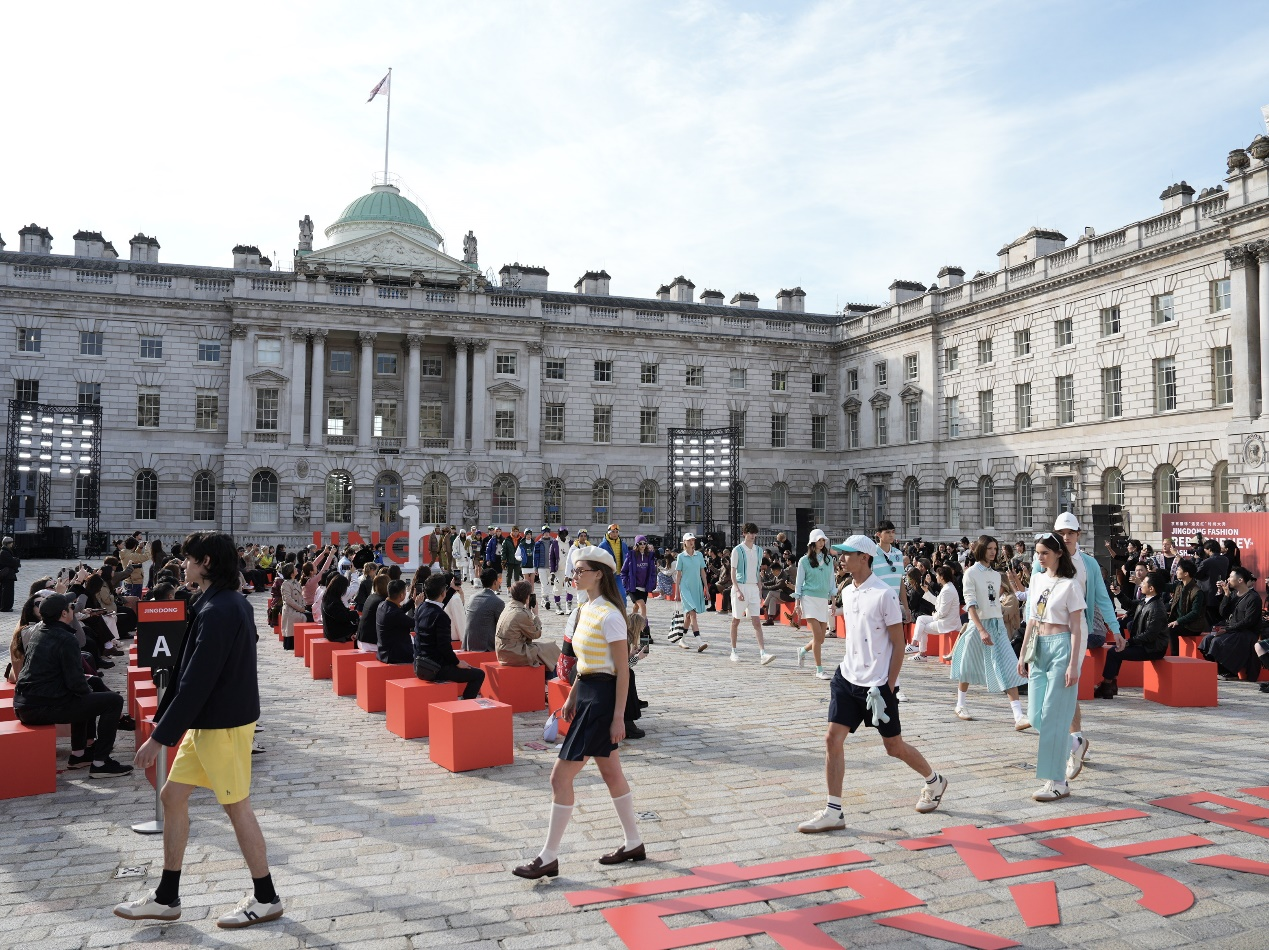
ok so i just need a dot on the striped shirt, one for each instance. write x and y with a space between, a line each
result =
599 623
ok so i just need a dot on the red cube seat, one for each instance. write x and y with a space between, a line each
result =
936 644
343 674
1188 646
1179 681
520 687
6 710
318 656
839 624
371 679
409 701
1091 671
30 757
471 734
142 690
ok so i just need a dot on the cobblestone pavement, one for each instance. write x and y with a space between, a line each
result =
373 846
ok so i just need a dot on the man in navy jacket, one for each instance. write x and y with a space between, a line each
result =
432 639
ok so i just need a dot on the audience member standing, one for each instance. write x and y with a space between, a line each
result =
9 567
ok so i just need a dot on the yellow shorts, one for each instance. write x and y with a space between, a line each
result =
219 759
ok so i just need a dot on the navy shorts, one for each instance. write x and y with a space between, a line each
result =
848 706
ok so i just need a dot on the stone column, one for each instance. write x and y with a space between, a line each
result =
534 408
1261 249
365 389
478 395
1244 325
460 396
237 380
413 377
317 408
299 372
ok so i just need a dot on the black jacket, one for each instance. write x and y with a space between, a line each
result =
432 634
9 563
339 623
364 590
52 671
369 620
215 685
1150 625
393 626
1240 614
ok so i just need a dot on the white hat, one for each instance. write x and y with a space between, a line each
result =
857 544
688 536
597 554
817 535
1066 521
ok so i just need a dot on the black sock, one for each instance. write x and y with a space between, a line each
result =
265 893
169 889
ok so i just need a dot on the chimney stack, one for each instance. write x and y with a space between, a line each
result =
144 249
663 292
682 289
1176 196
791 301
523 277
712 297
35 240
247 257
748 301
950 276
902 290
593 282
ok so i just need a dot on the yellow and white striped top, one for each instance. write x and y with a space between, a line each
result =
599 623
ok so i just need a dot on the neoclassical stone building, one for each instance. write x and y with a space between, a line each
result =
1124 367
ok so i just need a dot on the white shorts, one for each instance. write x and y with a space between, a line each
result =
751 606
815 608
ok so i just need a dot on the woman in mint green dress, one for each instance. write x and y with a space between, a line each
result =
689 567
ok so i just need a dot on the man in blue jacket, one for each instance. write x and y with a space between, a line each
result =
210 711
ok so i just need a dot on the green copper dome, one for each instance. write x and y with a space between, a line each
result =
384 203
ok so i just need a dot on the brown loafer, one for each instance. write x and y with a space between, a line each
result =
536 869
621 854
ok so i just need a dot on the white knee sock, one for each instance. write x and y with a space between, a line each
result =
960 698
1016 706
626 812
560 814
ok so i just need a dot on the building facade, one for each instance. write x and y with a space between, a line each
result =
1125 367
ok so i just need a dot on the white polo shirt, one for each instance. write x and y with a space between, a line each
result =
867 611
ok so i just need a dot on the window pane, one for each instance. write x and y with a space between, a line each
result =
736 379
208 352
151 347
268 351
1223 375
91 342
882 425
819 432
556 369
736 418
603 371
267 410
88 394
339 498
207 412
341 361
602 428
148 410
430 426
649 373
1163 312
1112 392
204 497
779 430
986 412
819 382
779 382
695 376
385 364
505 364
553 422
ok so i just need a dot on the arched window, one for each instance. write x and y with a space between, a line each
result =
600 501
912 503
779 503
553 501
852 505
204 497
145 496
1167 493
952 504
339 498
1220 486
738 492
819 504
1026 507
504 500
648 502
435 499
264 498
987 502
1112 487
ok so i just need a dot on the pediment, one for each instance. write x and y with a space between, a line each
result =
505 388
879 400
268 377
852 404
389 248
910 393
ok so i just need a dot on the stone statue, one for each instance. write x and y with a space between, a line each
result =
301 509
306 233
469 249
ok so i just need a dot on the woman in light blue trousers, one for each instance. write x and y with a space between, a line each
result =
1053 648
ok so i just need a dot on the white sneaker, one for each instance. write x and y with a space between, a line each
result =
801 656
899 696
1075 764
1052 791
911 650
147 908
766 659
250 912
931 795
1022 724
963 713
735 657
823 675
830 819
682 641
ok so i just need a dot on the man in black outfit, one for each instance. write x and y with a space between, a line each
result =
393 626
9 565
1212 571
432 639
52 689
1149 631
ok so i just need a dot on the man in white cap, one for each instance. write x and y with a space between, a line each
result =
461 557
745 600
558 557
689 574
862 689
1102 618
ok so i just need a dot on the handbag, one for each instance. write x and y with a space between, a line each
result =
425 668
551 730
1032 649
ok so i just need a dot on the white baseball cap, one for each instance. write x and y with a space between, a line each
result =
857 544
688 536
1066 521
817 535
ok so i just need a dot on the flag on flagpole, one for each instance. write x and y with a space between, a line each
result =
382 88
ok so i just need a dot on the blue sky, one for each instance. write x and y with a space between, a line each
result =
750 146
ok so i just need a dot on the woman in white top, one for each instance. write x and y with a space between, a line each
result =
1054 648
946 617
983 655
595 710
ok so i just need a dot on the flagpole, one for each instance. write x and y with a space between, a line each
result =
387 128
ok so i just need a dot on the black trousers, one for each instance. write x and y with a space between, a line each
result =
6 595
1115 658
99 710
633 711
472 677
